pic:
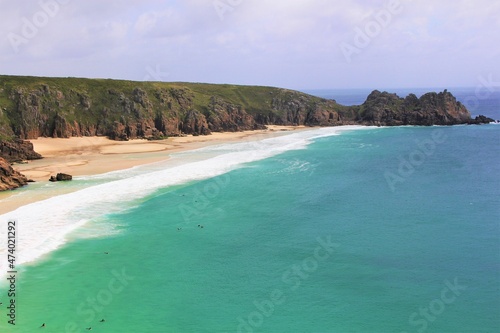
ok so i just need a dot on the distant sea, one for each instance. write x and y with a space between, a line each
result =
321 231
478 100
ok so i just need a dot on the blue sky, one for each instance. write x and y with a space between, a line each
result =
298 44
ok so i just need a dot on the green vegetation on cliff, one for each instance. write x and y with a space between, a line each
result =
63 107
31 107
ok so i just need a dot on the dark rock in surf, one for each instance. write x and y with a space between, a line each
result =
61 177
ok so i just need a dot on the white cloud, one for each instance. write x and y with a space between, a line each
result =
282 42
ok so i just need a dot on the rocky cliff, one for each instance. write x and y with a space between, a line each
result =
64 107
122 110
9 178
31 107
382 108
17 150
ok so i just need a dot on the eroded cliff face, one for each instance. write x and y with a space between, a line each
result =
226 117
122 115
18 151
51 113
121 110
9 178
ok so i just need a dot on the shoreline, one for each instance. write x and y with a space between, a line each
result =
89 156
49 212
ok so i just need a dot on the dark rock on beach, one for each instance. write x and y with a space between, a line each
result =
61 177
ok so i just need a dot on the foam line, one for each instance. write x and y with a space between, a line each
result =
44 226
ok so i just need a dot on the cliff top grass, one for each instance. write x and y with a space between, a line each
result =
47 106
252 98
103 101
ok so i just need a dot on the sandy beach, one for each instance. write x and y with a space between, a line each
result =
84 156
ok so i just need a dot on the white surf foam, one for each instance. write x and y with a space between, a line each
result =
44 226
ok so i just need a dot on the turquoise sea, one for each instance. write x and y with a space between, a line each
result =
320 231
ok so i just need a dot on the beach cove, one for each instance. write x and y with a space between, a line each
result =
289 233
87 156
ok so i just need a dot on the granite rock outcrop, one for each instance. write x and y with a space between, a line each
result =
9 178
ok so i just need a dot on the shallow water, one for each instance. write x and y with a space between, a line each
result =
374 230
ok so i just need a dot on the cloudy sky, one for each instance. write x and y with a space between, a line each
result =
299 44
